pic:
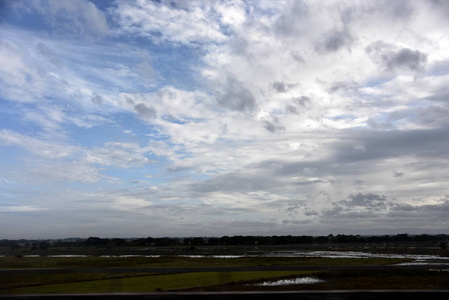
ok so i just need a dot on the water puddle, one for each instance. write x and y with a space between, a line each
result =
67 255
418 259
212 256
129 255
294 281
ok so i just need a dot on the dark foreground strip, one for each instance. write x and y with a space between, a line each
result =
284 295
221 269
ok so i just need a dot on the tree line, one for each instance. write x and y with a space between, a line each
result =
237 240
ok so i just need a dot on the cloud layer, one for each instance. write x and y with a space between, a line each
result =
182 118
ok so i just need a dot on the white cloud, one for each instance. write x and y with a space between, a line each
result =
21 208
291 114
191 23
121 155
68 16
37 146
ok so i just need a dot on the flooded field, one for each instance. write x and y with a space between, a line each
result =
228 272
417 259
294 281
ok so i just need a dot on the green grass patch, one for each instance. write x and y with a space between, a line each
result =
353 280
181 262
8 281
152 283
134 282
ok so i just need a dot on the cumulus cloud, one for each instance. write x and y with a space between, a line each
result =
145 111
273 125
365 200
287 116
282 87
36 146
335 40
170 20
393 58
235 96
122 155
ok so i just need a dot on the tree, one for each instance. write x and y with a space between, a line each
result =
44 245
95 241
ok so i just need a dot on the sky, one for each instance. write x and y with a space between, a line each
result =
209 118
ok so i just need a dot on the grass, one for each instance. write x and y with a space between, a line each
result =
144 282
8 281
151 283
356 280
180 262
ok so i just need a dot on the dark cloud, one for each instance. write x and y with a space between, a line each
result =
302 101
291 109
97 99
441 5
294 207
365 200
343 86
383 144
291 21
433 212
236 96
300 207
405 58
336 210
252 178
398 174
144 111
282 87
335 40
393 58
298 57
310 212
441 95
273 125
435 115
298 103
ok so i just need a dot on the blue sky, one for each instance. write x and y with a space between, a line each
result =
209 118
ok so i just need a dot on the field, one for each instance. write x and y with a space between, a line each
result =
108 280
148 282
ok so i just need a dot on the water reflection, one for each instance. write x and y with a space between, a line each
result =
417 259
294 281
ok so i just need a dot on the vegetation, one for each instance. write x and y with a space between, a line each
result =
95 252
239 240
353 280
184 262
160 282
144 282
